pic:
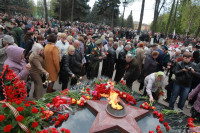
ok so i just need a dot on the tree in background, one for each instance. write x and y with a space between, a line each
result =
80 9
130 20
158 7
169 19
141 17
186 19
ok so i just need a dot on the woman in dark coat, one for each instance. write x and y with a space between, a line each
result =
66 66
28 43
132 71
150 66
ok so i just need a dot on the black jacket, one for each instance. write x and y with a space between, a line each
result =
111 57
66 67
77 62
132 71
150 65
121 61
28 46
184 78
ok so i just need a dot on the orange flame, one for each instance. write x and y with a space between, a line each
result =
113 100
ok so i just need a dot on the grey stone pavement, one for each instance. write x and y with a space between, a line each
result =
135 87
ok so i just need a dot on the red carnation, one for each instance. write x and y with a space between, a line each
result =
151 131
2 117
57 123
168 128
158 128
190 120
20 109
4 105
166 124
160 131
42 108
18 102
27 105
65 130
54 119
34 124
32 102
161 119
34 110
20 118
7 128
161 114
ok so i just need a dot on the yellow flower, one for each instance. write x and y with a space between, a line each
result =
89 44
73 100
95 48
88 97
78 102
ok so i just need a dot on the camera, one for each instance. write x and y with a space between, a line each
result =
188 68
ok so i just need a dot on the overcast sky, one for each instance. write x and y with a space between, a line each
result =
136 8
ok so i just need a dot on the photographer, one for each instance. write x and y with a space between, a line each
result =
184 72
4 43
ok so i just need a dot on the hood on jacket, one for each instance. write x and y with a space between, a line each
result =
14 53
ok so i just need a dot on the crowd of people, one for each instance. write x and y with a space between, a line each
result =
66 52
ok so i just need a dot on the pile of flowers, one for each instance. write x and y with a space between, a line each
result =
54 130
13 88
29 115
190 123
147 106
161 117
23 112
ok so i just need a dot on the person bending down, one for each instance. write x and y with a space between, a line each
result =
154 84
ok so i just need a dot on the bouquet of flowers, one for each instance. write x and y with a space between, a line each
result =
12 87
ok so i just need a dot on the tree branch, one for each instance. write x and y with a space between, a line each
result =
161 6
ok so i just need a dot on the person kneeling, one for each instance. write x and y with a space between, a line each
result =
154 84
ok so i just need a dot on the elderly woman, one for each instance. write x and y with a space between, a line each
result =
62 44
16 62
67 64
5 42
36 60
132 70
70 39
154 84
51 57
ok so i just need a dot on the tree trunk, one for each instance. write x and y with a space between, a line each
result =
155 16
72 15
112 24
45 11
141 17
60 12
169 19
174 19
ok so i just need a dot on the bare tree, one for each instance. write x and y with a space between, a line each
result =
60 12
156 13
169 19
174 18
141 17
72 15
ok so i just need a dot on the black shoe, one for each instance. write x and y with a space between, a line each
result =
166 100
